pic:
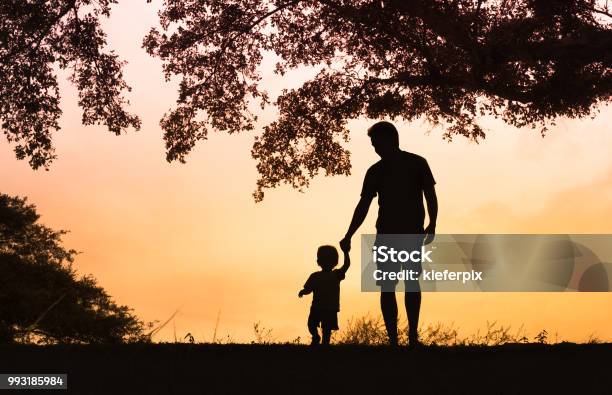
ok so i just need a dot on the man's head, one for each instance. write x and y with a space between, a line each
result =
385 138
327 257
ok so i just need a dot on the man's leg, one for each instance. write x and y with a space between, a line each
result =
413 308
412 298
388 305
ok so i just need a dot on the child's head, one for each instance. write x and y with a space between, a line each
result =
327 257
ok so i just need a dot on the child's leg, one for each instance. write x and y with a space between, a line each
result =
329 323
313 328
326 335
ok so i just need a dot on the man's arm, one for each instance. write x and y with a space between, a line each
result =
432 209
361 211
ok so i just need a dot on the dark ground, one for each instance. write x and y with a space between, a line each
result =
242 369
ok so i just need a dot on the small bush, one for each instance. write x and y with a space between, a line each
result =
370 331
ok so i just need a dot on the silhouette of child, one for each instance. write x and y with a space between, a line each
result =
325 285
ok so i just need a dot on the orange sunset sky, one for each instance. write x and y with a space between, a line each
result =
162 237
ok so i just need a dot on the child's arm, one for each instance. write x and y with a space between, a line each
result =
347 261
307 288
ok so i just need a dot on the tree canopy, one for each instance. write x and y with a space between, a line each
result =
450 62
41 297
38 37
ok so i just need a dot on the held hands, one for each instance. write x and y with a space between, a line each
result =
345 244
430 233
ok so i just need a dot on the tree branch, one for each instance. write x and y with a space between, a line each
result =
37 40
240 33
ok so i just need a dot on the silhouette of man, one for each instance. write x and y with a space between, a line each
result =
399 179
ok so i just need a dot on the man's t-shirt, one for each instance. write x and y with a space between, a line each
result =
399 185
326 289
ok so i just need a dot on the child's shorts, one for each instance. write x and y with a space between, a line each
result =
326 319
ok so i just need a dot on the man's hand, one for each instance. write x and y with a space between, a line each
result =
432 212
430 233
345 244
301 293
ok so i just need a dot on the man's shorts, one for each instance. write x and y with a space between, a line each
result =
407 242
326 319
